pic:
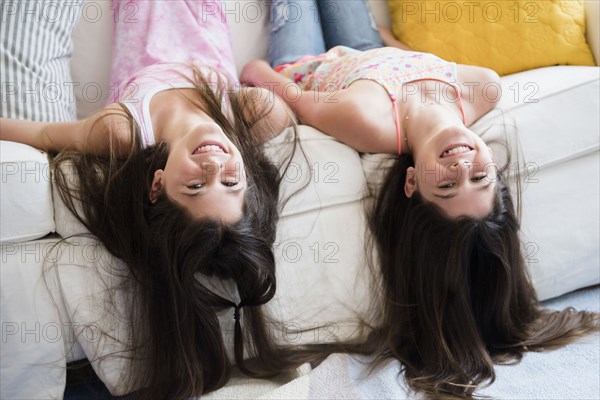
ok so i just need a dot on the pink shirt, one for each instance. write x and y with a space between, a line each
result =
137 92
153 44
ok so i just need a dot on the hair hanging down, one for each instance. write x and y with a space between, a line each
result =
178 349
456 294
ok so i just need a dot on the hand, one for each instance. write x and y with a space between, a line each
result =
256 72
260 74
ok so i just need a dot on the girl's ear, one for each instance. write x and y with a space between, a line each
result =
157 186
410 185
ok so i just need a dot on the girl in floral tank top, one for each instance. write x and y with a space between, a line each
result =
385 100
452 290
341 66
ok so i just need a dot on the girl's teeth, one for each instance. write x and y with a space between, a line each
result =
456 150
206 149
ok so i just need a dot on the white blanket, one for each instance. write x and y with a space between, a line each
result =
571 372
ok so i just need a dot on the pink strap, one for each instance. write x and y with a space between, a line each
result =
397 122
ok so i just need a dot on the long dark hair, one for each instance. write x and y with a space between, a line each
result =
456 294
176 342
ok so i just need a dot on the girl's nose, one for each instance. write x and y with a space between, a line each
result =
461 164
210 167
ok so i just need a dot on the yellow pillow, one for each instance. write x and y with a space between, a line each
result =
505 35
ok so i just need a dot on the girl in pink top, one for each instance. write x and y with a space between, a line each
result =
172 179
454 295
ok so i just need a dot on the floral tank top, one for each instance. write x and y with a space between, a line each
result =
390 67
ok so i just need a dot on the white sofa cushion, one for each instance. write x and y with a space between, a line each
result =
560 227
26 208
558 130
322 281
36 82
555 110
34 348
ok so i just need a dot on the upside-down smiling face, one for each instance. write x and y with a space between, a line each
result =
204 174
455 170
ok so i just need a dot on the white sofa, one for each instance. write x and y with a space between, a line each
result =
49 320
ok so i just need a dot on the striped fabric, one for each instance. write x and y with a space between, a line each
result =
35 51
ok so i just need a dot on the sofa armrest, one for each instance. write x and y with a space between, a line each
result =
592 22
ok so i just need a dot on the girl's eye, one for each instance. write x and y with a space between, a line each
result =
230 184
447 186
196 186
479 178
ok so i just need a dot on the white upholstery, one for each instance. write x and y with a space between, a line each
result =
36 339
558 130
560 227
321 274
552 109
26 203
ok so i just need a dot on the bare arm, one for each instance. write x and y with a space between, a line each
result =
267 114
259 73
390 40
343 114
96 134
